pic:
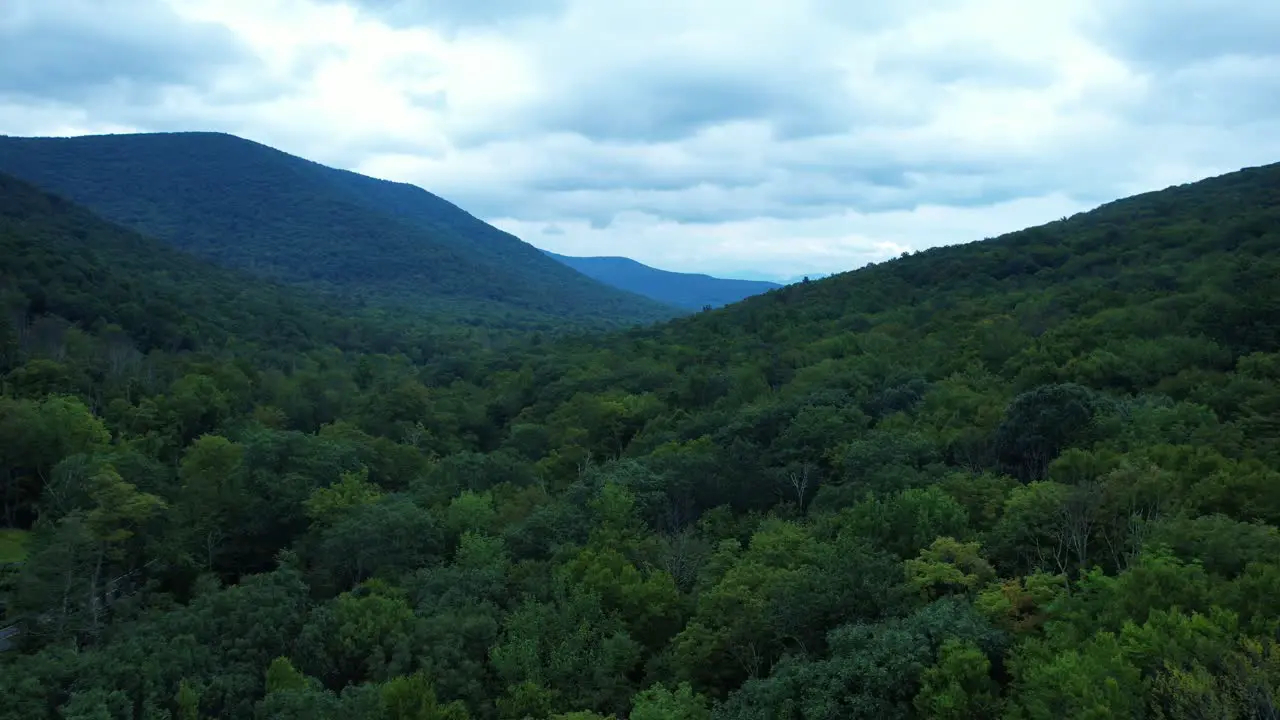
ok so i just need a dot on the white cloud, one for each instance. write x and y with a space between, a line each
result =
778 136
789 248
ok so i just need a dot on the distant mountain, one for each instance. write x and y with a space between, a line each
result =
687 290
246 205
776 278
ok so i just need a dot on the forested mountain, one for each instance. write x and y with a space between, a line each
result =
1030 477
248 206
692 291
59 260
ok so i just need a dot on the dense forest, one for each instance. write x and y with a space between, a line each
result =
1036 476
251 207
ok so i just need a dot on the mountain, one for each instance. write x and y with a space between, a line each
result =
63 267
775 278
1036 476
687 290
245 205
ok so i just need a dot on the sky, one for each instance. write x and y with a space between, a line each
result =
768 138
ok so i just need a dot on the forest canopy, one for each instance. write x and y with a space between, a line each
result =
1036 476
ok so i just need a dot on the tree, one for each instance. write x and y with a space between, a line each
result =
82 564
959 685
874 669
412 698
327 505
798 482
948 566
388 537
659 703
570 647
34 437
1041 423
213 494
1092 681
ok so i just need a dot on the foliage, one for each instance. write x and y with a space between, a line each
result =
13 545
1030 477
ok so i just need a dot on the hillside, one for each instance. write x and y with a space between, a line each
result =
692 291
58 260
248 206
1030 477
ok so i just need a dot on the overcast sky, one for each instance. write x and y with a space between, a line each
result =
770 137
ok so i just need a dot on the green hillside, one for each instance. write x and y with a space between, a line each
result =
1032 477
59 260
248 206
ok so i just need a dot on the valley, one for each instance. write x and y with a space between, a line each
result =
254 468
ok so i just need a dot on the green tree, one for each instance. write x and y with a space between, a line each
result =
659 703
959 685
212 494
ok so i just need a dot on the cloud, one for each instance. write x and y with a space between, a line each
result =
1227 90
452 15
676 103
1207 63
661 71
779 137
960 61
71 50
781 248
1185 32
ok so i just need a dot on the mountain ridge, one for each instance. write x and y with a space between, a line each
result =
692 291
244 204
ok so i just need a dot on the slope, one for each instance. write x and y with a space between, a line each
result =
1203 254
62 266
1120 300
246 205
692 291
